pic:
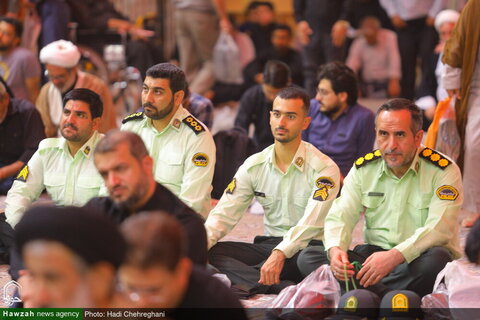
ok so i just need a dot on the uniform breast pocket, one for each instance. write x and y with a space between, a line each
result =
87 188
169 169
373 210
266 202
55 184
419 208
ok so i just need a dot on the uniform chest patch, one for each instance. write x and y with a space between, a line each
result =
447 193
23 174
200 159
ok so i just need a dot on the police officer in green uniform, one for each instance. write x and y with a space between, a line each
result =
181 146
296 185
63 166
410 196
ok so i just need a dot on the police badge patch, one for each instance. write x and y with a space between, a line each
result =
200 159
325 182
447 193
321 194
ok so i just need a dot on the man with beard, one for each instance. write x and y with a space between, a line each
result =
410 197
341 128
61 59
296 185
123 161
63 166
181 146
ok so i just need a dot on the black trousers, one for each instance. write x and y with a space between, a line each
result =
242 262
416 40
418 276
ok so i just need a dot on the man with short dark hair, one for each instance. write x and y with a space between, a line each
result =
63 166
256 102
21 130
157 273
18 66
341 128
181 146
410 196
295 184
71 256
123 161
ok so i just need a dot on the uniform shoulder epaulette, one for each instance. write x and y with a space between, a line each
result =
133 116
49 143
194 124
369 157
435 158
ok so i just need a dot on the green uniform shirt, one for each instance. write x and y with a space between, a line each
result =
411 214
295 202
68 180
184 155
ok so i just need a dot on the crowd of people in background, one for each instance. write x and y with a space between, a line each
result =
140 184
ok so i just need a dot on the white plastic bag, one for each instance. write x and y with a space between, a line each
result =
313 298
226 60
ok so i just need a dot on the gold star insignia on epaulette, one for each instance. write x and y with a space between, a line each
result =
133 116
231 186
369 157
23 174
193 124
176 123
299 161
321 194
86 150
435 158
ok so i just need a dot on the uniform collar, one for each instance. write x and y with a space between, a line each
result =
298 160
87 149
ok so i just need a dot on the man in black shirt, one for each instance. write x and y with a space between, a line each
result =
123 161
21 130
256 102
157 274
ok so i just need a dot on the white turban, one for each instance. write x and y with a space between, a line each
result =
60 53
446 16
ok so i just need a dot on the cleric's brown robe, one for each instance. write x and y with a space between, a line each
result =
461 52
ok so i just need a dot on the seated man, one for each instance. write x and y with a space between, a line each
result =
375 58
256 102
21 130
63 166
182 148
123 161
296 185
281 50
71 256
157 274
61 59
18 66
341 128
410 196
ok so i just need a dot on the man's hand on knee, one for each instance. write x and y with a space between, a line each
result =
378 265
339 262
271 269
